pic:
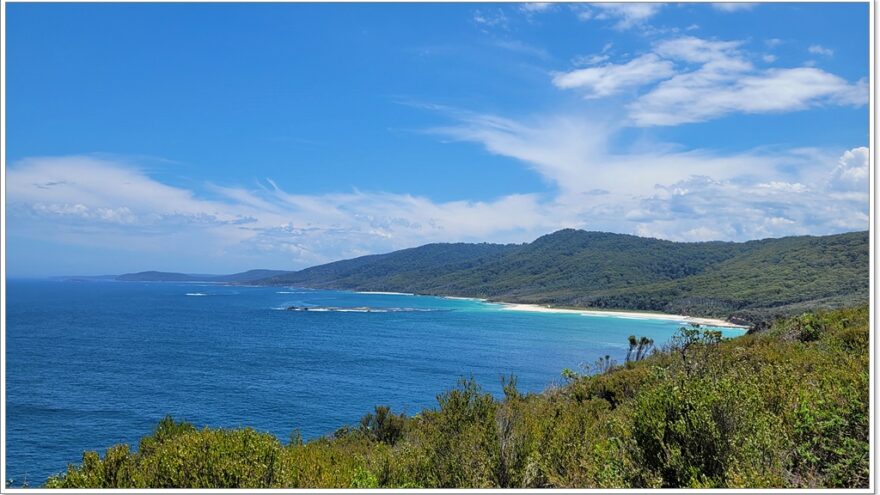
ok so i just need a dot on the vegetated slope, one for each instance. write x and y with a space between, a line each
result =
786 408
404 269
771 278
559 267
754 281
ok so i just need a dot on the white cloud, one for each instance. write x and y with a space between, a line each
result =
697 50
624 15
593 59
747 210
662 192
706 94
852 171
820 50
674 194
587 60
536 7
612 78
733 6
491 18
692 79
769 58
91 201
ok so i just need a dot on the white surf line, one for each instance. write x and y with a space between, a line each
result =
536 308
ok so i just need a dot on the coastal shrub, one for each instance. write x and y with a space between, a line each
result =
462 440
831 431
383 426
693 432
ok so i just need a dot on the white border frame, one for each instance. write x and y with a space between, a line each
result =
3 163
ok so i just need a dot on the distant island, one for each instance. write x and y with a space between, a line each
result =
750 283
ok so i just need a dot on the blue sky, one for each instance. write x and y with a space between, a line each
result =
217 138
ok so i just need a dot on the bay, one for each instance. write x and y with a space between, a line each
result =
91 364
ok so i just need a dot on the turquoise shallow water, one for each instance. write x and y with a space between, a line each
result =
90 364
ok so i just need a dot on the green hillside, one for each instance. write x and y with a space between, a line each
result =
754 281
406 268
785 408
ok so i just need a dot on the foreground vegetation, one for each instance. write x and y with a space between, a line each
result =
754 282
783 408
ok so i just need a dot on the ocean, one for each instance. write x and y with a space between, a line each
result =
94 363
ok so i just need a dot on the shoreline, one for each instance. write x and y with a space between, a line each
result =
612 313
538 308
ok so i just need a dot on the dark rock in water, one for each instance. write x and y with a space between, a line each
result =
297 308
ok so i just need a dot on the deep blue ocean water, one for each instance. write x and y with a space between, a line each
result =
91 364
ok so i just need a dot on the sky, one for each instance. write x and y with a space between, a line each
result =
215 138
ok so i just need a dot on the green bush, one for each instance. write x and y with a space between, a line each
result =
383 426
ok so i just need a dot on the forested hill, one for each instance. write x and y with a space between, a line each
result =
754 281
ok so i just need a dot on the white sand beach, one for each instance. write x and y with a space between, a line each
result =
537 308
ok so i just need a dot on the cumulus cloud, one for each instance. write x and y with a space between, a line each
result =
852 171
689 79
676 194
746 210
